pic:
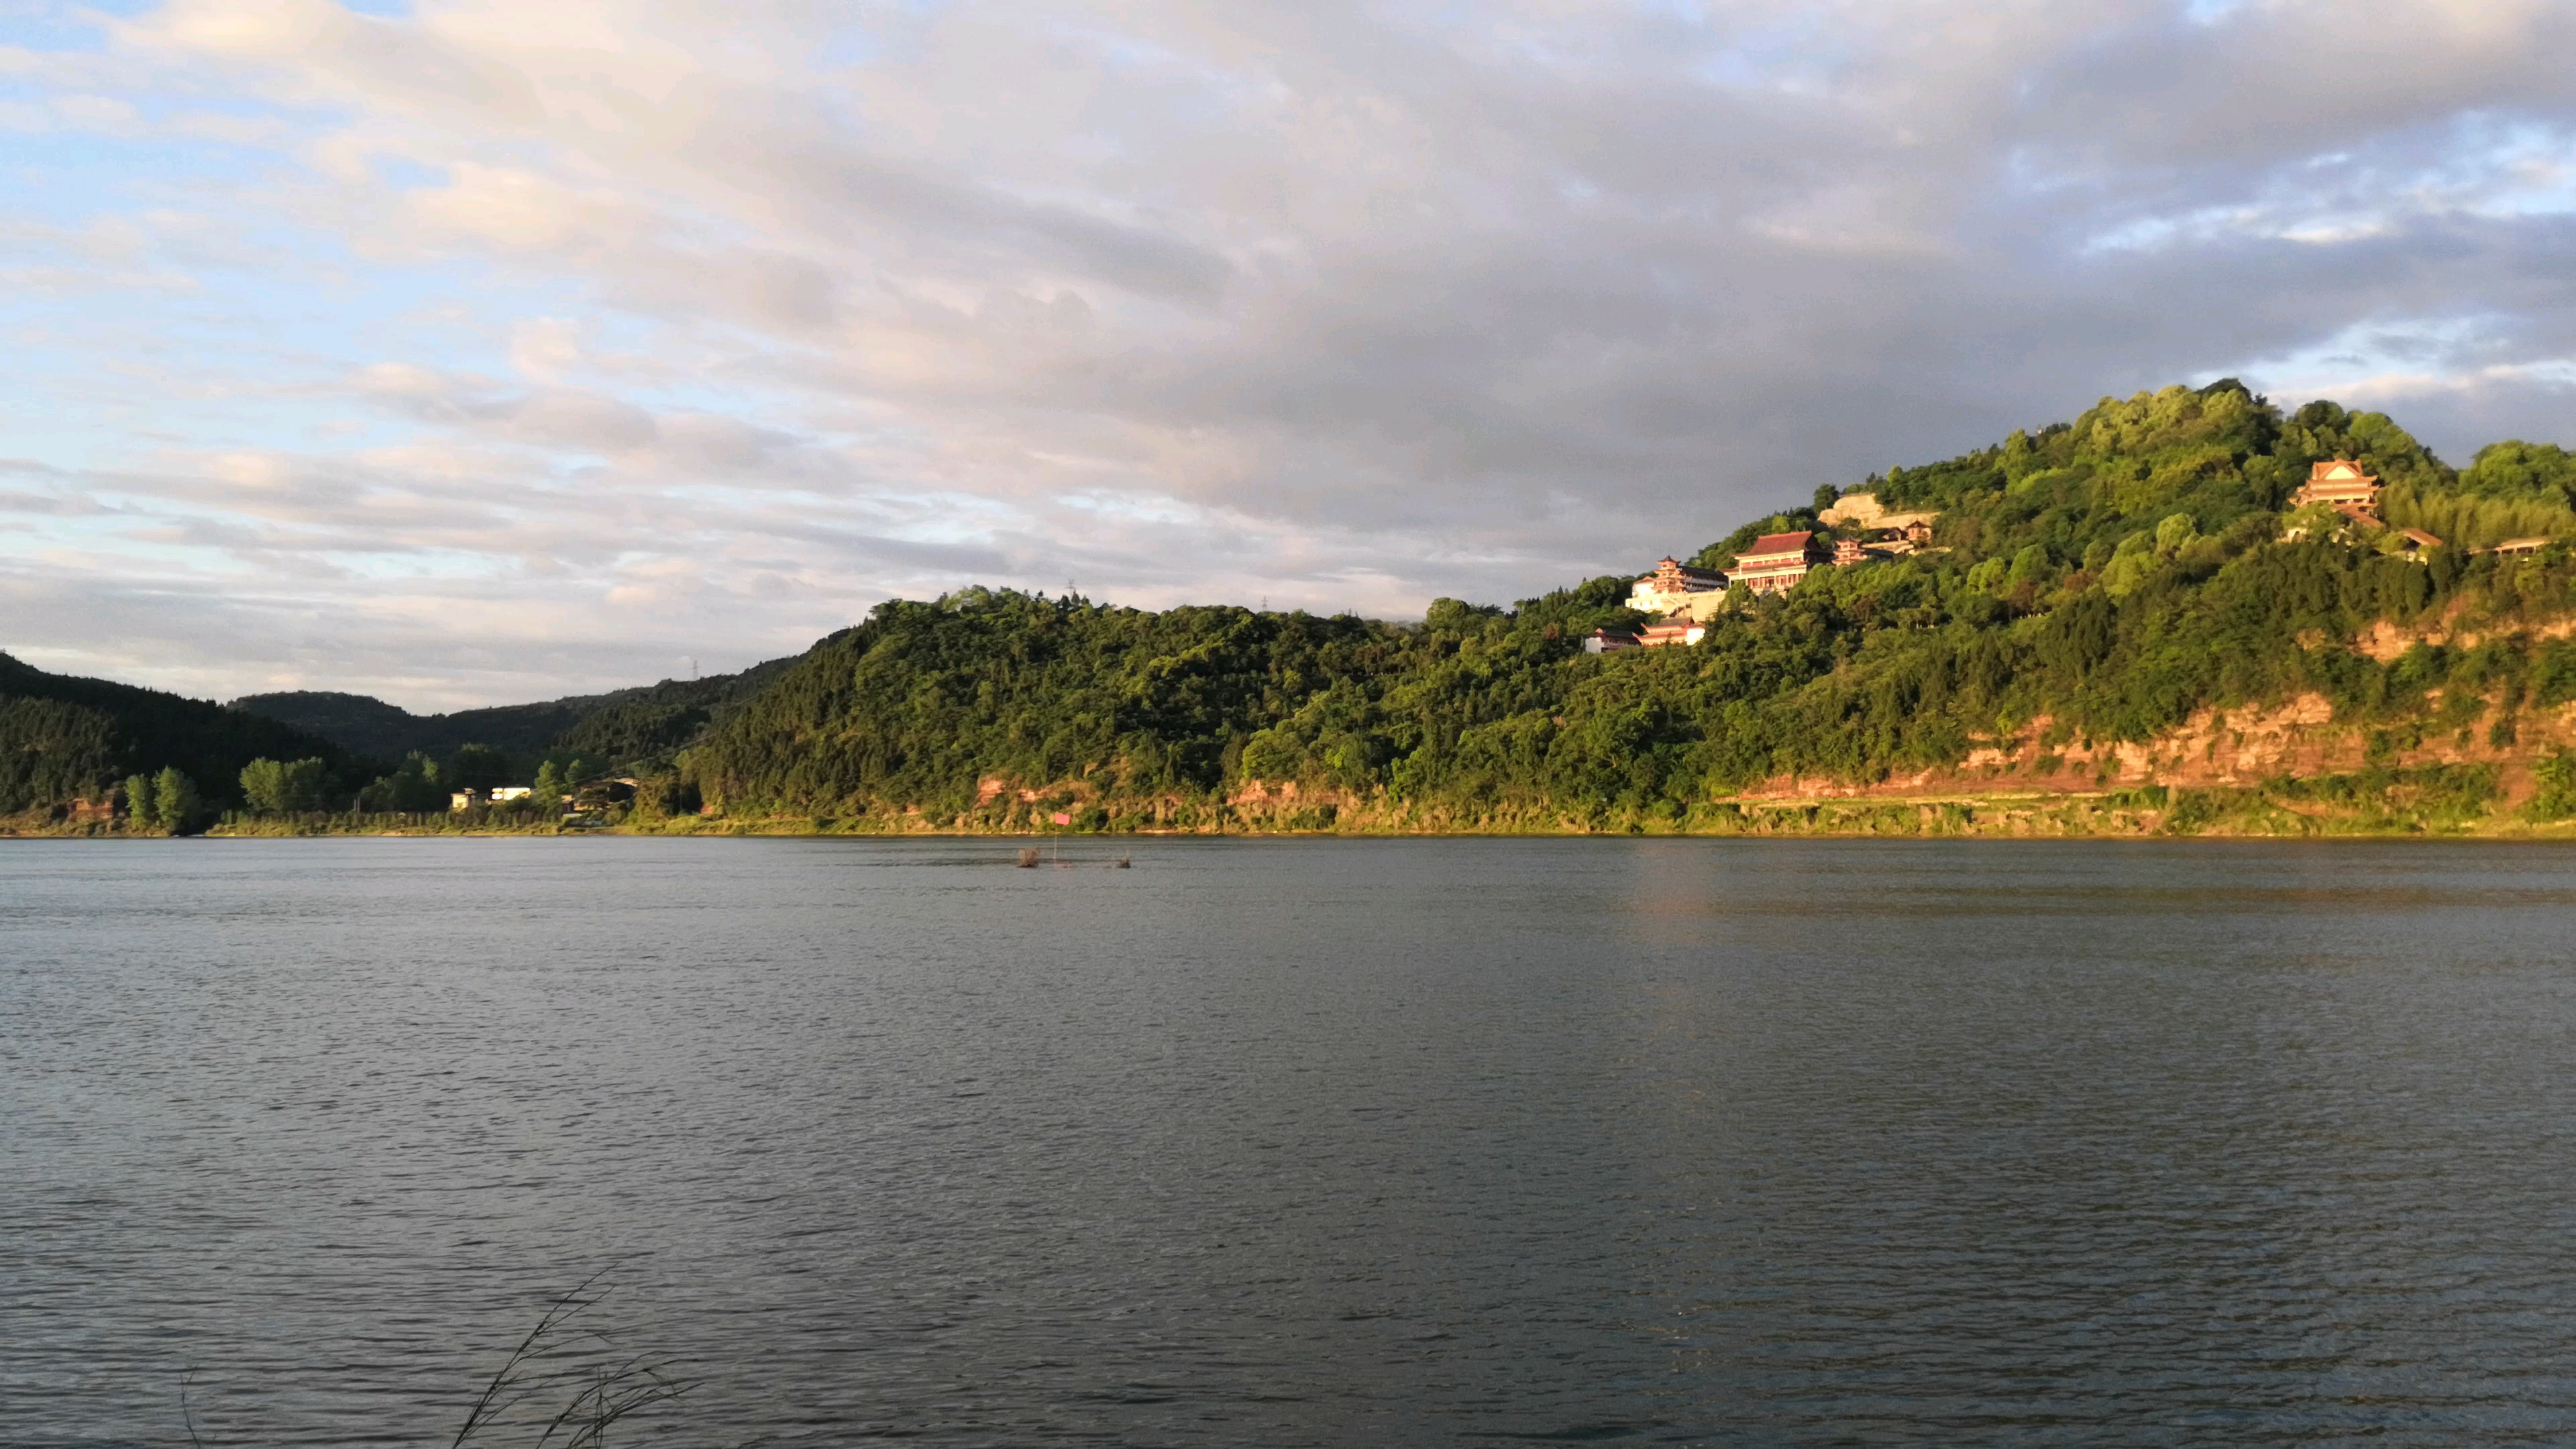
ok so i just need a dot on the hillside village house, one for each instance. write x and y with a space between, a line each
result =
1685 598
1776 561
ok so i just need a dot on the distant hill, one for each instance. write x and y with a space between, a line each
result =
619 725
366 725
63 737
658 719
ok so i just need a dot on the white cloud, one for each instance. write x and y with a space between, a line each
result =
543 328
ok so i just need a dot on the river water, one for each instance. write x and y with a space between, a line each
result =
1294 1143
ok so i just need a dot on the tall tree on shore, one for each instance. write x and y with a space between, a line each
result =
284 786
175 801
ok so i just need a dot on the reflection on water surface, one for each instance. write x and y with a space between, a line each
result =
1304 1142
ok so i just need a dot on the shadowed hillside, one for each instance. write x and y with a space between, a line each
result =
622 724
65 738
368 726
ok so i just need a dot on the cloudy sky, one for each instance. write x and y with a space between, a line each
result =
468 351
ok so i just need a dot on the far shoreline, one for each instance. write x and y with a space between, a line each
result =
2109 816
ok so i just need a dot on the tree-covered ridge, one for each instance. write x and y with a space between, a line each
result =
64 738
925 701
650 722
2109 576
621 724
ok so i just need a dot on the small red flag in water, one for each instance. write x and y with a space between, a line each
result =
1063 819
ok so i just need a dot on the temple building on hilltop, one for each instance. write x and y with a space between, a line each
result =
2341 486
1776 561
1669 588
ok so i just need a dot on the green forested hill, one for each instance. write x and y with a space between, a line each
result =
924 701
63 738
650 722
366 725
620 725
2112 575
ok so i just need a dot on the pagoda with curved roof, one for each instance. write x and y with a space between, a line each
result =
2341 486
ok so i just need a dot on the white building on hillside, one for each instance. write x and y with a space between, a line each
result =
1671 587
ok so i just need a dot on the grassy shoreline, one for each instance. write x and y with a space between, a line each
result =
2281 810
